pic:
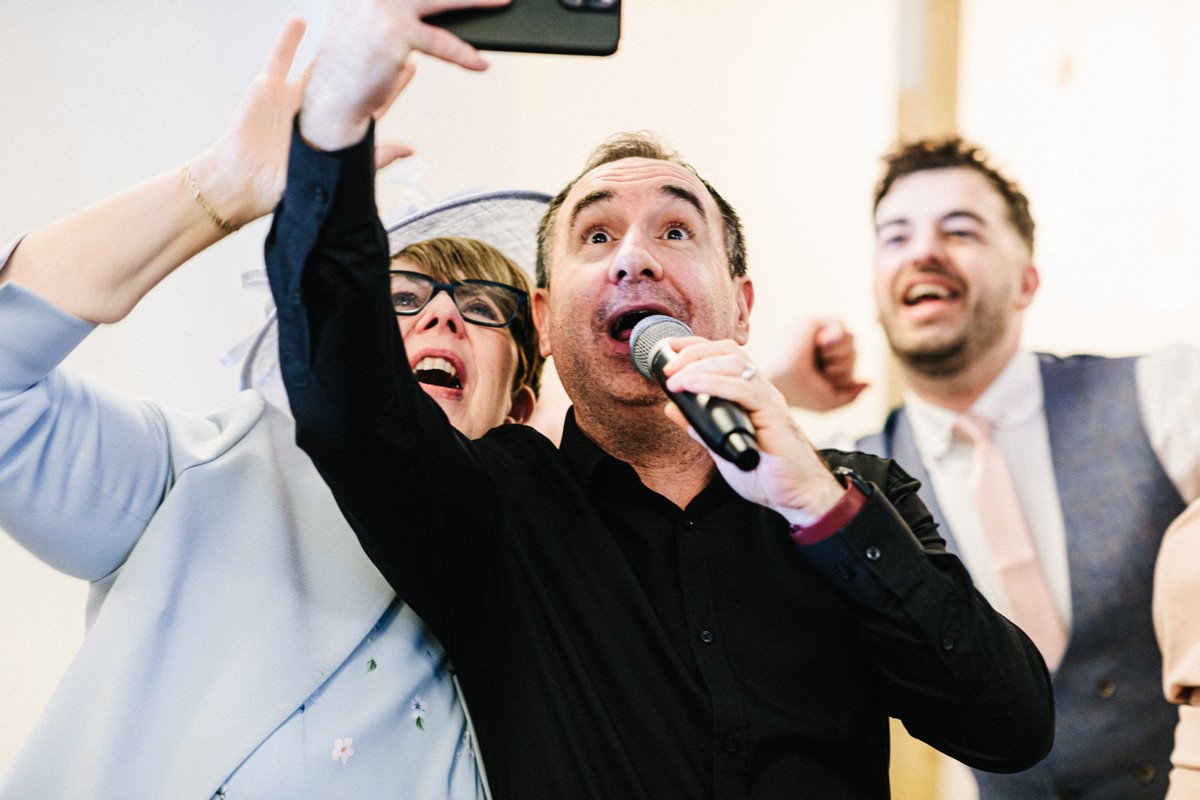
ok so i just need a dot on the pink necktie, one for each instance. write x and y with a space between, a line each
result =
1010 543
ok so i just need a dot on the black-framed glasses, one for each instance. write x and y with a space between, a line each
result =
489 303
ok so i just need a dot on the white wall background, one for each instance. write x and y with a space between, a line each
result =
1094 106
784 105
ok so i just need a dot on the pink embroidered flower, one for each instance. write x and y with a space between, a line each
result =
342 749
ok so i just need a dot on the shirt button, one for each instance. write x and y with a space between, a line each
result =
1145 773
321 195
731 745
688 524
707 637
873 553
1105 689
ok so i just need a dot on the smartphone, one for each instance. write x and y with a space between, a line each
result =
572 27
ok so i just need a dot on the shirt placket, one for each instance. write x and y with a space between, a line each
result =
731 729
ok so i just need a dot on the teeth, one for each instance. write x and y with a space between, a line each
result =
920 291
432 362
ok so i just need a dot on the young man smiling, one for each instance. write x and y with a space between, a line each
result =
1103 453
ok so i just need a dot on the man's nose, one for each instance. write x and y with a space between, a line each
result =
926 247
634 259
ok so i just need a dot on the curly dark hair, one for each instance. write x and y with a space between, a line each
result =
927 154
640 145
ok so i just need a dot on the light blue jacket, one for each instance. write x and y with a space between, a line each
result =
225 585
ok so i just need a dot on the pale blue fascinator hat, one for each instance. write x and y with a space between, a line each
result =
507 220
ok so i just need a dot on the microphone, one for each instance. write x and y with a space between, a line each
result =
722 425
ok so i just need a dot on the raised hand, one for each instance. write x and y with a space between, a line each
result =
99 262
363 59
820 374
242 173
791 477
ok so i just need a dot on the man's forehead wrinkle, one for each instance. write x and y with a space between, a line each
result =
637 170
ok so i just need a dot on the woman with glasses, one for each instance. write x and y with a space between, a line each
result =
436 286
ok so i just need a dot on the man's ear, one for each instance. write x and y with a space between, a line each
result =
1030 280
745 301
522 406
541 319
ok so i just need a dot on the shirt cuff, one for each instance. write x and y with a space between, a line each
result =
318 180
833 520
37 336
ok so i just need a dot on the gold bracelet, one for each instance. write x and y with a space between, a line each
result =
193 189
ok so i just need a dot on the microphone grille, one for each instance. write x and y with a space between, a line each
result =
646 335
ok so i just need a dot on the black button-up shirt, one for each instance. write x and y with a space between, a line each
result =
611 644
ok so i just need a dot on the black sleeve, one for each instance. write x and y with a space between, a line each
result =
958 674
405 479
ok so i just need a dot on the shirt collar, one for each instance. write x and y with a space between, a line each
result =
582 455
588 462
1012 399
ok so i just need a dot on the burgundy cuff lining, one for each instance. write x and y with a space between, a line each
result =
833 520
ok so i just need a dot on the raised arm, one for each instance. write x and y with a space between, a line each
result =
389 454
98 263
85 468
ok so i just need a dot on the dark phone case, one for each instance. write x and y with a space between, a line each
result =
536 26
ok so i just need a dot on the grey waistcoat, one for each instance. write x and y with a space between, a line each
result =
1114 731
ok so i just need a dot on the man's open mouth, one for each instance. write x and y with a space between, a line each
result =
922 292
622 326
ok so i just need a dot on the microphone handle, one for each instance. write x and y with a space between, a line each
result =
722 425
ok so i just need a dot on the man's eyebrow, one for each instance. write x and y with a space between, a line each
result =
958 213
597 196
964 214
684 194
601 195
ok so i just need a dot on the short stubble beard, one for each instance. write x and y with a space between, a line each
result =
986 331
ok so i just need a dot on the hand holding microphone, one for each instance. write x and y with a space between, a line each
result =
787 475
722 425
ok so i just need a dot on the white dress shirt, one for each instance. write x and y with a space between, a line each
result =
1168 385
